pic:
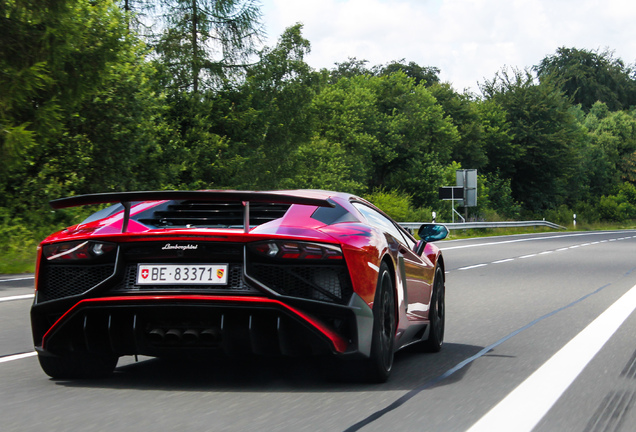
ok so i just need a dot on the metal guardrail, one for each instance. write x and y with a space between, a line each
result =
414 226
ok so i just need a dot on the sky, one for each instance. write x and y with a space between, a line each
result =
468 40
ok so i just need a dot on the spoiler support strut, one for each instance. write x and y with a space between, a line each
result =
124 225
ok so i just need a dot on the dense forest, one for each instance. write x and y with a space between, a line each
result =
105 95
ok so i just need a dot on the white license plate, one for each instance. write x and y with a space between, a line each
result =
182 274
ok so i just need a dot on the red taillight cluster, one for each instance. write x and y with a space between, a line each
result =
297 250
76 250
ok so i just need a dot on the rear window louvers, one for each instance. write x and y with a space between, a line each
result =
209 214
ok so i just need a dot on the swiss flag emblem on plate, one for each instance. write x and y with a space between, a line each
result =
144 273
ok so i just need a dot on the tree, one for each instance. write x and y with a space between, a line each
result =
49 58
427 75
112 138
139 15
501 150
268 117
463 112
394 132
53 54
348 69
612 143
206 41
546 134
320 164
590 76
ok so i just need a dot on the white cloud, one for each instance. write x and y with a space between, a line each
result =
469 40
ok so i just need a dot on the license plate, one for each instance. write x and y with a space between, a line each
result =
182 274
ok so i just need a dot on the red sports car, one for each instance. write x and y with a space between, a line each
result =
170 273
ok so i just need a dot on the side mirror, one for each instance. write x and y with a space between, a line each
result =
432 232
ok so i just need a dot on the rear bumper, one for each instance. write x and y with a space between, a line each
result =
162 325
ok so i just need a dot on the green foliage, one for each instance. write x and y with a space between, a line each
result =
590 76
393 130
398 206
464 113
620 207
563 215
17 245
426 75
52 52
206 41
546 156
320 164
498 193
269 116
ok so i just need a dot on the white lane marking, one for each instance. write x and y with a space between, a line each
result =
526 405
18 297
472 267
524 240
17 279
17 357
536 254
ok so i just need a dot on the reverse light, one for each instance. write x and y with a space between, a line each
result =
76 250
297 250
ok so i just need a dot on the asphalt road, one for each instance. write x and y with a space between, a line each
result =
540 336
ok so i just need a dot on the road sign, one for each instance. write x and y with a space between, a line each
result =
468 180
455 193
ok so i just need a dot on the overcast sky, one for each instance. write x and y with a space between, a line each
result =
468 40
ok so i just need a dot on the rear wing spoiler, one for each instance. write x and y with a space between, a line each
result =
126 198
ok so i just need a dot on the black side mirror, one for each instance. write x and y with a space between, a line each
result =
432 232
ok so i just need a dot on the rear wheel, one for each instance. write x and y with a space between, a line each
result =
78 365
436 314
380 362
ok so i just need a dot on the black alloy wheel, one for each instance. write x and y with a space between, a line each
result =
437 315
380 363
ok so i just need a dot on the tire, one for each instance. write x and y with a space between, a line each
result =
437 315
78 365
380 363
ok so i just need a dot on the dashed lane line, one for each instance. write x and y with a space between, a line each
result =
470 267
17 279
9 358
18 297
496 243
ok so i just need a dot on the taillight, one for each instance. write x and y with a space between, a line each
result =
297 250
76 250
